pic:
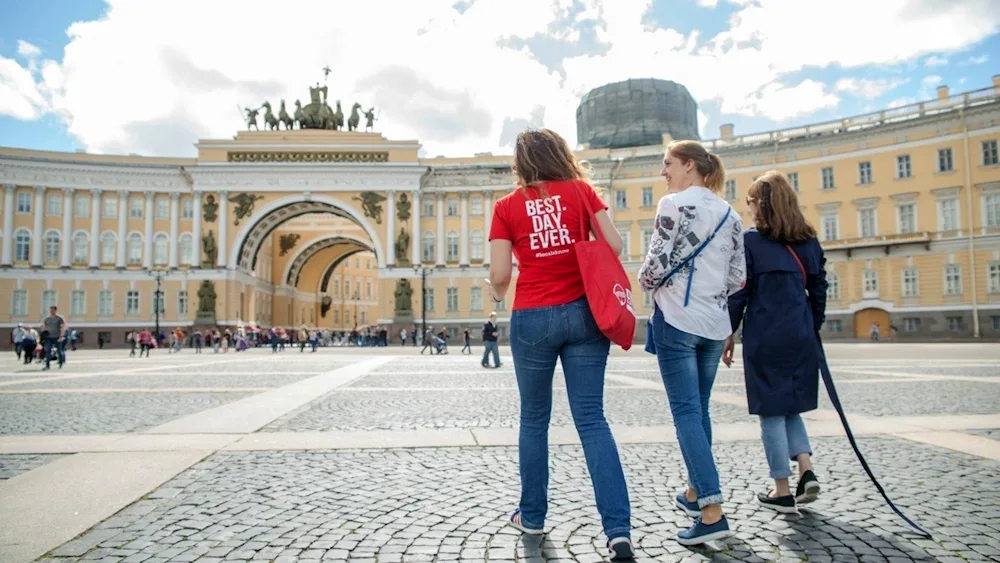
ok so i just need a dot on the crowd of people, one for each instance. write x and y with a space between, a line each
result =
708 277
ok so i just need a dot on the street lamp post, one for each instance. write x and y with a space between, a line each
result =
423 299
357 296
158 298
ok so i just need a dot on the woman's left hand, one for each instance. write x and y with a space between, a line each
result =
727 351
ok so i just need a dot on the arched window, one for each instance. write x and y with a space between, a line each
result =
52 240
22 245
187 249
135 249
476 241
428 246
109 253
80 244
452 246
160 245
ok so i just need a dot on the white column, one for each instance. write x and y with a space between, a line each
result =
415 235
38 237
95 229
196 231
67 228
223 242
488 213
8 225
123 212
147 250
463 244
440 220
390 225
175 218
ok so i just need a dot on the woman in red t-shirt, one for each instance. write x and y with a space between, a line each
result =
539 223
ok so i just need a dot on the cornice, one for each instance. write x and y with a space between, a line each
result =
84 176
298 177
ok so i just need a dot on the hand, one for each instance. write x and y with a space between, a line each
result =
727 351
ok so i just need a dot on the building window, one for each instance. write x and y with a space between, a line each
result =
832 286
162 208
476 241
476 299
911 284
53 205
336 316
827 177
105 307
49 300
907 218
81 206
476 206
182 302
621 199
996 322
135 208
993 272
24 202
730 190
452 246
626 244
949 214
911 324
647 236
864 172
52 240
990 153
108 250
159 302
428 208
187 208
187 248
78 304
952 279
368 290
991 203
135 249
452 296
834 325
429 299
647 299
428 246
647 196
955 324
80 244
867 219
904 168
793 179
110 207
19 303
946 160
131 303
22 245
830 226
869 285
452 207
160 249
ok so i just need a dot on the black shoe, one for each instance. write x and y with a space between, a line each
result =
785 504
808 488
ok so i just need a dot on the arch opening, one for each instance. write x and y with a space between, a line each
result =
294 269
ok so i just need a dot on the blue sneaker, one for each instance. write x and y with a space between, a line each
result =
620 548
689 508
700 533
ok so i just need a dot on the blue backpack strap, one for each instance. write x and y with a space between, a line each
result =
691 258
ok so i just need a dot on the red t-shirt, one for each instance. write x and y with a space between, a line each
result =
542 231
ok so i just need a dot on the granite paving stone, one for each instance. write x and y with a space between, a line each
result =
14 465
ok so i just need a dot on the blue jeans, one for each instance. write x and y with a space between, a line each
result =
784 439
490 346
688 365
538 338
48 344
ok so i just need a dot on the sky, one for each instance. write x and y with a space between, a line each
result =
152 77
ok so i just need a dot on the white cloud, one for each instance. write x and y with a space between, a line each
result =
931 81
977 60
935 61
708 3
27 50
900 102
439 76
867 88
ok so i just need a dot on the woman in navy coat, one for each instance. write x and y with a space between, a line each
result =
782 308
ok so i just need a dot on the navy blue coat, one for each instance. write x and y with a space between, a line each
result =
780 324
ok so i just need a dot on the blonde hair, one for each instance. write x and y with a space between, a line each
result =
707 164
778 216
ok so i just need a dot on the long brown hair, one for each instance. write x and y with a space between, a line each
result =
707 164
779 216
542 155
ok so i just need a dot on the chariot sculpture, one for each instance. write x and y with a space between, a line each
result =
317 114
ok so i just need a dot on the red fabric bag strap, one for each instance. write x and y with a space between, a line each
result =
799 262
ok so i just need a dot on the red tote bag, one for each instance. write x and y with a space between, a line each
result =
607 286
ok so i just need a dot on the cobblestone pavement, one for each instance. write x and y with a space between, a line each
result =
441 502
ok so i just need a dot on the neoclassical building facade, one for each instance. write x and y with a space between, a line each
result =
337 229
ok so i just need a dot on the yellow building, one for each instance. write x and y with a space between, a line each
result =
335 229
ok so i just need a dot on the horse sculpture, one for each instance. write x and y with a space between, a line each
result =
338 118
270 121
284 118
355 119
300 116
